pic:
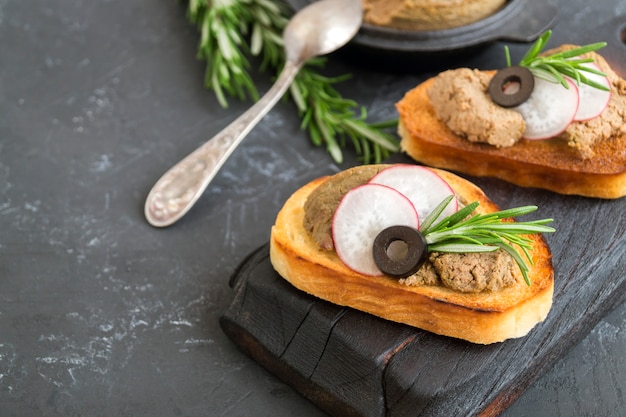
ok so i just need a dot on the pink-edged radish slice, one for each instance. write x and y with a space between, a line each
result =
362 214
549 110
592 100
422 186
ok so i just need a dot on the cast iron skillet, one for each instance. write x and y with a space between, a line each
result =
517 21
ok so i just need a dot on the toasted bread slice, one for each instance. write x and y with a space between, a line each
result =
484 317
548 164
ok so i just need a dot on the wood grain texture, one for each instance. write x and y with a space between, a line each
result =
352 364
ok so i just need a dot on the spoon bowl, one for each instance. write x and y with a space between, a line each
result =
318 29
321 27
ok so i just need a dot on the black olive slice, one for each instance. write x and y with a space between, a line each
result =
399 251
520 82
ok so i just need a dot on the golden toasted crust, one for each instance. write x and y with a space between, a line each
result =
549 164
480 318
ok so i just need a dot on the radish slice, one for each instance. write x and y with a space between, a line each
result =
362 214
549 110
422 186
592 100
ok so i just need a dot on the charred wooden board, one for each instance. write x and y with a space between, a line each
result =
353 364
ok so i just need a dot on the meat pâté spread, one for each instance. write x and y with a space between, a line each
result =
461 100
428 14
463 272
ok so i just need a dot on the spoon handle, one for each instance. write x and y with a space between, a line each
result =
181 186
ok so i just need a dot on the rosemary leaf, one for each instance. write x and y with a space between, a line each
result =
462 248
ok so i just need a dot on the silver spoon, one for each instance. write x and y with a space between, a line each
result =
318 29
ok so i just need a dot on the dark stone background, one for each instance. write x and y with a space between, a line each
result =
101 314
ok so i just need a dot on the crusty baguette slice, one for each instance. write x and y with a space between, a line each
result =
480 318
547 164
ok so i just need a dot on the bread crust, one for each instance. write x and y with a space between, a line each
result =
548 164
479 318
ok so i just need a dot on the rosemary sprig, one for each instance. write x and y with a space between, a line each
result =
233 30
462 232
330 119
223 44
562 64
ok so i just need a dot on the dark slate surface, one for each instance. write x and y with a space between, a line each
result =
101 314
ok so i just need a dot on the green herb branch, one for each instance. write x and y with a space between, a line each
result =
231 31
560 64
462 232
